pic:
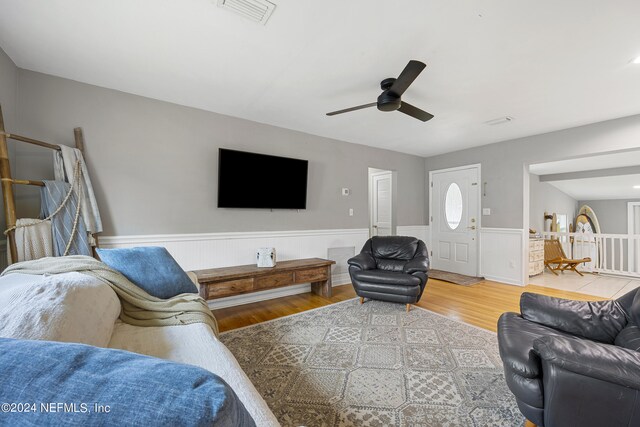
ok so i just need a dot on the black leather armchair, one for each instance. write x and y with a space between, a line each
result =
573 363
391 268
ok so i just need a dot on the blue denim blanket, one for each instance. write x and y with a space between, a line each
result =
46 383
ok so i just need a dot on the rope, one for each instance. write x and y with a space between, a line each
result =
77 216
77 172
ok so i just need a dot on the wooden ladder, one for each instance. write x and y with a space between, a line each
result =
7 181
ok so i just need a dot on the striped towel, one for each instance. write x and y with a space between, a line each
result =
64 164
52 195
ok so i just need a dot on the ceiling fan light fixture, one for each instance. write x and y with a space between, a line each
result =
388 102
391 97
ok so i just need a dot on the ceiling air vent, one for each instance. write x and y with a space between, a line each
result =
500 121
256 10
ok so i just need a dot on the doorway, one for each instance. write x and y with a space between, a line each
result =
382 202
454 202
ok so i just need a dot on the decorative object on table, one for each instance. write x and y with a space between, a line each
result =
571 230
391 268
572 362
547 221
348 364
266 257
554 223
556 260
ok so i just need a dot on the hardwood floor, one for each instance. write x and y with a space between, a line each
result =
478 305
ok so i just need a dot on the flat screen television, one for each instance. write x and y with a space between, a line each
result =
252 180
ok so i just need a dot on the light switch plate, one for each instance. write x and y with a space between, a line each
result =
345 191
350 211
486 211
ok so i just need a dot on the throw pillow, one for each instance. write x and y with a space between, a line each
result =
151 268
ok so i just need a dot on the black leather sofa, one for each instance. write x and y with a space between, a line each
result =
573 363
391 268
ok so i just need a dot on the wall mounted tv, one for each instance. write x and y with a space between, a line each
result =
252 180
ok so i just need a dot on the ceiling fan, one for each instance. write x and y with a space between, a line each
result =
391 97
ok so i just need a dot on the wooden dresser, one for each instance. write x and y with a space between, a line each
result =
243 279
536 256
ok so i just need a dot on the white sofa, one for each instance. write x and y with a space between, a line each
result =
74 307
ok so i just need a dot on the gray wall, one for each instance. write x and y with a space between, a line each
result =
154 164
544 197
612 214
503 163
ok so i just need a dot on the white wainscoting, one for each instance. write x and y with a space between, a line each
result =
502 255
419 231
211 250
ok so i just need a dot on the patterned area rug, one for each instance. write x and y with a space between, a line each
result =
458 279
374 364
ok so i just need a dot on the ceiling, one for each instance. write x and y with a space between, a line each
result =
601 188
597 177
549 64
595 162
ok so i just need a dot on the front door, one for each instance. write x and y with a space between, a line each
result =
454 220
381 203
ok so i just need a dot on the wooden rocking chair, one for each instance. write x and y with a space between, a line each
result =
556 260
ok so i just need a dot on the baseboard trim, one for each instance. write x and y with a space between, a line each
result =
340 279
503 280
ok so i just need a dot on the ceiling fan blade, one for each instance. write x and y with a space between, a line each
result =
346 110
415 112
407 76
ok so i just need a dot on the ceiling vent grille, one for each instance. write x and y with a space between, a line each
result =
256 10
500 121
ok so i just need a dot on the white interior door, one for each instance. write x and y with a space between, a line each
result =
455 208
634 243
381 203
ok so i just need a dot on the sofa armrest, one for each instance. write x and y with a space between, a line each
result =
419 264
601 361
363 261
596 320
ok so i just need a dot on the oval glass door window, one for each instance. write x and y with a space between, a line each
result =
453 206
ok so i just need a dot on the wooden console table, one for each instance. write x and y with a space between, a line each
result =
243 279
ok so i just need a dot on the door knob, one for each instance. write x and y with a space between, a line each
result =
473 227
